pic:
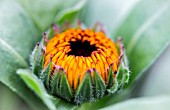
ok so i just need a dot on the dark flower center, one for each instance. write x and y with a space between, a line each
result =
79 48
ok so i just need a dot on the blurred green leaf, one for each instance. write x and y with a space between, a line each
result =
44 12
155 82
70 13
17 37
146 103
10 101
146 34
33 82
36 85
111 13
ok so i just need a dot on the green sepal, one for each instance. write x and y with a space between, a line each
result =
65 89
40 65
37 58
120 75
123 72
85 91
112 86
126 68
55 81
45 76
111 79
123 75
33 58
99 85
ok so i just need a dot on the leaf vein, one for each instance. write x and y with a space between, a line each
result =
145 26
13 52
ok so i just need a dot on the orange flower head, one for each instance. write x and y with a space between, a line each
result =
78 50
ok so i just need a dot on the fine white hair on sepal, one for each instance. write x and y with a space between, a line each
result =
33 57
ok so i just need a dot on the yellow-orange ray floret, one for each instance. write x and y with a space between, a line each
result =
76 66
61 62
105 65
77 69
101 65
70 71
68 63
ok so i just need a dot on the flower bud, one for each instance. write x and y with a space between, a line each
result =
80 65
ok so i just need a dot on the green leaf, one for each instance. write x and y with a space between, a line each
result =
10 101
146 103
34 83
155 82
70 14
44 12
147 37
111 13
17 37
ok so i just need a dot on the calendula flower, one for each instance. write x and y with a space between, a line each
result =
80 64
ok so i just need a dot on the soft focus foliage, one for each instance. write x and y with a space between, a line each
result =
143 24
